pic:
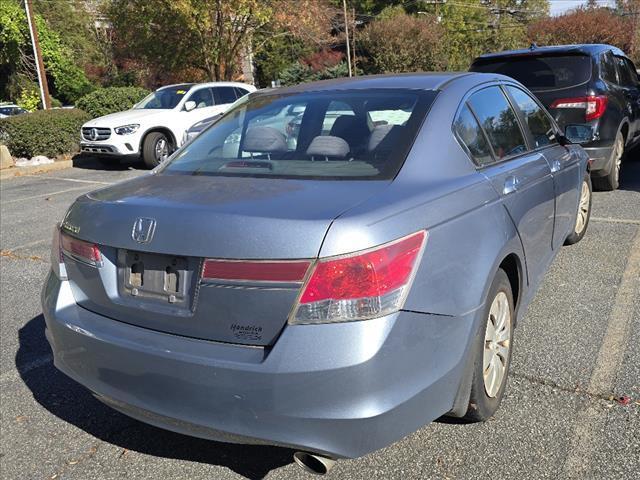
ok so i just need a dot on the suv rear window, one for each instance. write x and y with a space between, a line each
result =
540 72
341 134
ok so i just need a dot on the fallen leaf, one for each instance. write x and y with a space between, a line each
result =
20 418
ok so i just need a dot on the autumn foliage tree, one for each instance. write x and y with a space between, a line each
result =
586 25
210 36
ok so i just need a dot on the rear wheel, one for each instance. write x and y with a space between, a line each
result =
612 179
583 214
156 149
494 355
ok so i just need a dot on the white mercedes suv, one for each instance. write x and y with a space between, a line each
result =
155 127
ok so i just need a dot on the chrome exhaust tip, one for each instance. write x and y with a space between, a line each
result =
312 463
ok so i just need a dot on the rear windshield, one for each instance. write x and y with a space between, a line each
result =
327 135
540 72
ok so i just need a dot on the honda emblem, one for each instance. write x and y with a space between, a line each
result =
143 230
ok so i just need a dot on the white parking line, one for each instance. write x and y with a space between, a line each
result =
615 220
76 180
12 375
59 192
592 419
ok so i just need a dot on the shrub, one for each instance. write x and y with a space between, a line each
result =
45 132
403 43
299 73
110 100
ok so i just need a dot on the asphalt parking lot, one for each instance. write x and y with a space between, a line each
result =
572 408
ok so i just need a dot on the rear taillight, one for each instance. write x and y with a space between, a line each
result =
360 286
594 105
255 271
80 250
57 261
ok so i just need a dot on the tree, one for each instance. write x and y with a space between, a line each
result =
473 28
403 43
17 65
585 25
207 35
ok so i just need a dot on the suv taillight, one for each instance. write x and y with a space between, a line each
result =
594 105
362 285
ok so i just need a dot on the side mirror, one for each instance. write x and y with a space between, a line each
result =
189 105
578 133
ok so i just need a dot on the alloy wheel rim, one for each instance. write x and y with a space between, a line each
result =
583 208
618 158
497 340
162 150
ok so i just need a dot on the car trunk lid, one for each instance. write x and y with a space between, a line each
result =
179 222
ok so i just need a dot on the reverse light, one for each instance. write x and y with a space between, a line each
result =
360 286
594 105
80 250
126 129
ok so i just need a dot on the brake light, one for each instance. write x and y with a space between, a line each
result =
256 271
594 105
360 286
80 250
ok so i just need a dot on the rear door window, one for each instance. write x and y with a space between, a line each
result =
499 121
224 95
627 77
608 67
538 121
538 72
470 134
633 72
240 92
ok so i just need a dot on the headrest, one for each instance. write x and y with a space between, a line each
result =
383 137
328 146
264 139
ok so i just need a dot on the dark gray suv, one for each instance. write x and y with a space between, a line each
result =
581 84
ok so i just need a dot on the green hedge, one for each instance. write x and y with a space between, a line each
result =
110 100
44 132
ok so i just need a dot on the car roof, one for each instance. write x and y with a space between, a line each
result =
409 81
205 84
587 49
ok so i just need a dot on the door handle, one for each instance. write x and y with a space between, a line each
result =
555 166
510 185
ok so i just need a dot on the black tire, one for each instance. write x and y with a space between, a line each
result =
481 405
611 180
150 148
575 236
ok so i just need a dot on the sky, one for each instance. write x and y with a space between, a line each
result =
559 7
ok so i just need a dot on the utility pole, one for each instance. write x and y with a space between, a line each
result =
346 34
355 70
42 76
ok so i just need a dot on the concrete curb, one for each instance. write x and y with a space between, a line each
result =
49 167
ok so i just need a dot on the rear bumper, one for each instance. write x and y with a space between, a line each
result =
600 157
343 390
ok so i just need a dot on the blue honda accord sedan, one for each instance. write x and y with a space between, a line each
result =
327 267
